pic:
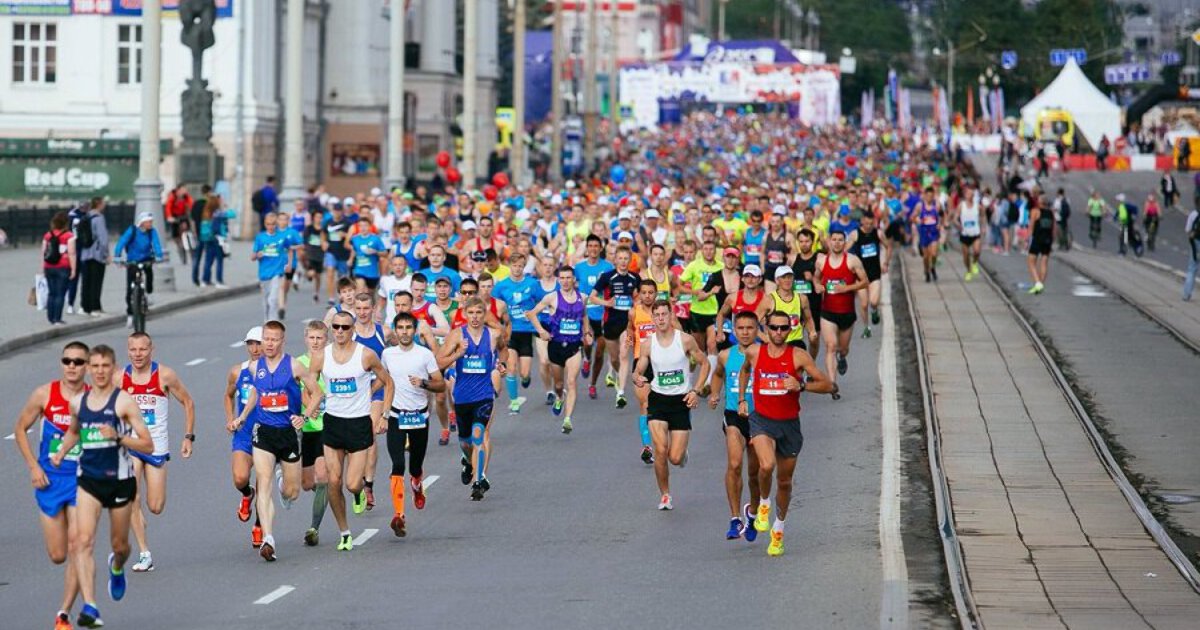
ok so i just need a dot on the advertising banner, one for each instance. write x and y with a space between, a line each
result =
133 8
35 7
60 178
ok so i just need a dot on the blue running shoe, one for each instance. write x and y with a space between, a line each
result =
558 406
89 617
116 580
735 529
749 532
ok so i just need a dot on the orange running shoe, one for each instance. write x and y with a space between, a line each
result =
63 622
243 512
256 537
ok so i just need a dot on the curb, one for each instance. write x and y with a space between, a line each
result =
24 341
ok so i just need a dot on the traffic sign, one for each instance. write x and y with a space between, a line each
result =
1008 59
1171 58
1125 73
1059 56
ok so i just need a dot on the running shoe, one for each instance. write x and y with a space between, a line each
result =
62 622
866 333
359 503
647 456
345 543
874 317
776 546
243 512
567 426
444 438
736 527
516 405
621 402
418 488
485 485
586 368
557 408
749 532
476 492
453 418
928 277
312 537
609 381
665 503
144 563
467 470
116 579
370 498
398 526
256 537
967 276
525 381
267 551
89 617
283 500
841 364
762 522
592 392
550 397
975 268
933 272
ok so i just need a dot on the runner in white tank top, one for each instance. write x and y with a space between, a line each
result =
349 384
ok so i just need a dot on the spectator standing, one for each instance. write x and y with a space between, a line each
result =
1102 154
177 209
59 265
1062 212
1170 191
139 243
212 228
76 215
1192 234
265 200
92 235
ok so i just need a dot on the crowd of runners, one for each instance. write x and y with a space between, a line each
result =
729 261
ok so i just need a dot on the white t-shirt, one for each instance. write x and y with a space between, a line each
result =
417 361
389 286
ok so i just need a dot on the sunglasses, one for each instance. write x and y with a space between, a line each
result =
74 362
341 326
779 327
468 293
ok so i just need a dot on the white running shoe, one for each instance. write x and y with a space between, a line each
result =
145 563
665 503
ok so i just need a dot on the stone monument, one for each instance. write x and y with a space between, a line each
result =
197 161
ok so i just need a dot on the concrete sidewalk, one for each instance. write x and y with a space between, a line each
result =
1048 538
24 325
1154 291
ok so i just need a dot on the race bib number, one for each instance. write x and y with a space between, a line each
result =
90 437
772 383
623 302
752 249
149 416
72 455
244 393
363 260
804 286
775 257
663 295
343 386
474 365
727 326
645 330
569 327
830 284
794 320
271 250
411 419
704 276
275 402
870 250
670 378
732 379
314 240
970 224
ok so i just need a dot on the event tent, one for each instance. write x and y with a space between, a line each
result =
1094 114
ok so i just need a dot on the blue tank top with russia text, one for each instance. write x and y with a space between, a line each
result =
474 369
101 458
567 321
278 393
733 367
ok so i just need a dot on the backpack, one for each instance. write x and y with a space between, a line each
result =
53 253
84 233
258 202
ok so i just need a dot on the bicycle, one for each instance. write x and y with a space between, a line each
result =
139 303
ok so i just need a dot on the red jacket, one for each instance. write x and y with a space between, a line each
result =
177 206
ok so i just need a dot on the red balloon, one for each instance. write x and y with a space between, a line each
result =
656 188
500 180
453 176
443 159
840 174
490 192
851 161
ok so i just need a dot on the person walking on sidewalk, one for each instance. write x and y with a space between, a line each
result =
139 243
265 201
1193 240
92 237
76 214
213 230
59 265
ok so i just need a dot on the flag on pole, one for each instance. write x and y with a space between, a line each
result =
893 93
970 107
983 104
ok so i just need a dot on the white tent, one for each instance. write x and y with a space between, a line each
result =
1094 114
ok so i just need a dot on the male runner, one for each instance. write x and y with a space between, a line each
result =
350 423
737 427
54 488
614 290
414 372
839 275
105 475
865 240
587 272
564 338
641 327
238 385
371 335
313 471
517 291
779 374
704 305
928 220
747 298
1040 243
671 394
787 299
472 350
970 221
150 384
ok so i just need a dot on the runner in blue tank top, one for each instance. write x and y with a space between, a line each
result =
239 385
473 349
566 332
737 428
106 423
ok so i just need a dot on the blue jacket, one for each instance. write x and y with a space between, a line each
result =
139 246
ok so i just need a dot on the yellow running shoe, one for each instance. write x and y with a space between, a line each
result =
776 546
762 521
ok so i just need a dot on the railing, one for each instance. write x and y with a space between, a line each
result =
26 224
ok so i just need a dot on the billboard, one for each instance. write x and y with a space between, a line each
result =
133 8
35 7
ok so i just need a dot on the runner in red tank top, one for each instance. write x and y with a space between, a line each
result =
745 299
775 422
839 276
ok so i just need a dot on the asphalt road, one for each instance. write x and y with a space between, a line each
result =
568 536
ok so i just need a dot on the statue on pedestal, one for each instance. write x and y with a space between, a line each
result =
198 161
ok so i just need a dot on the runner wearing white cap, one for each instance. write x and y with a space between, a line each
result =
237 394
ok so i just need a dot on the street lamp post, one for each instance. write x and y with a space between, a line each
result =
470 91
293 111
148 187
721 21
517 154
556 101
395 130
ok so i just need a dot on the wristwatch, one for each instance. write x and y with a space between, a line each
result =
191 437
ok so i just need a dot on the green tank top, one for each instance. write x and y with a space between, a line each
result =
318 424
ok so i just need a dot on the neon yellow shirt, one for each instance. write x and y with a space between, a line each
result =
696 273
318 424
733 229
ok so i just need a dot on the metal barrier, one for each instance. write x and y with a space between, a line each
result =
27 225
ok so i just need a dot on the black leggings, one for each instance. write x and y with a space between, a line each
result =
418 440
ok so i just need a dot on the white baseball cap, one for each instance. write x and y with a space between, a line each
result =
783 271
624 235
143 217
469 225
375 192
254 334
652 214
753 270
624 214
348 201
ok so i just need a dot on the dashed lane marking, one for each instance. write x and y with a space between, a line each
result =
237 344
365 536
195 362
275 594
428 481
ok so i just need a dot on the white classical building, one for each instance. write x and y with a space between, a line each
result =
71 69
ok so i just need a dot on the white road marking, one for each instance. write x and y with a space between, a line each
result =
893 610
275 594
237 344
11 436
1088 290
428 481
365 536
195 362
